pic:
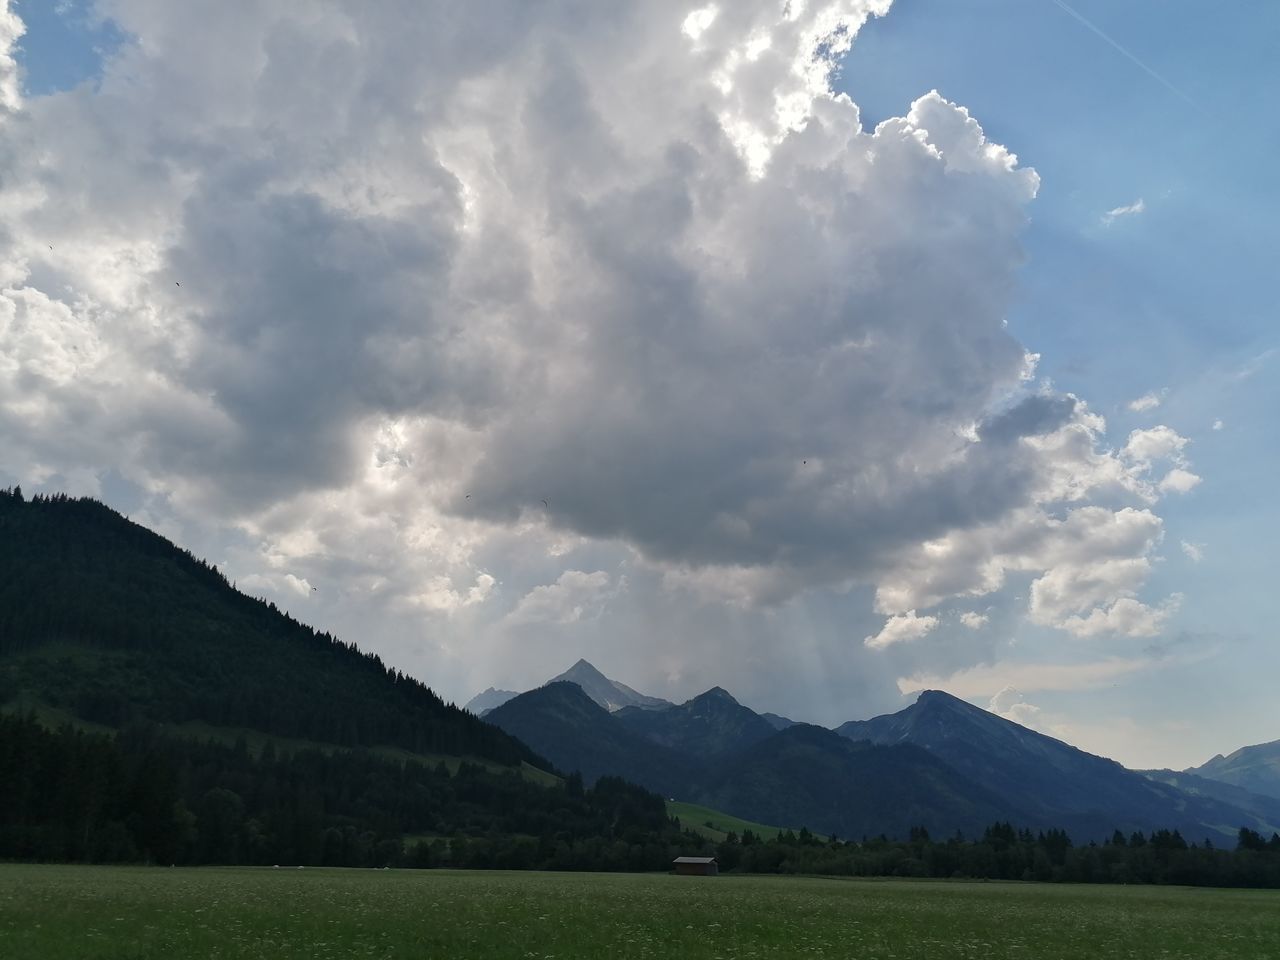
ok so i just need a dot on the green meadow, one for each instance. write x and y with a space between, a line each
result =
131 913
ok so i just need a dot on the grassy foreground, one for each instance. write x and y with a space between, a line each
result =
125 913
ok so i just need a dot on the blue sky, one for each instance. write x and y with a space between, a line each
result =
64 44
1177 298
1147 273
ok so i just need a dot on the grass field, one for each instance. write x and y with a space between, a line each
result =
128 913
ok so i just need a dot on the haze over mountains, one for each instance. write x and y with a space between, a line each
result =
941 763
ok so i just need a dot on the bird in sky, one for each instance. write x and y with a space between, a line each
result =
176 283
545 504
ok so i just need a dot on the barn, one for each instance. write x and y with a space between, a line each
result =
696 866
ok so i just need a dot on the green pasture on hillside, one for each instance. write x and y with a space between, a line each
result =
140 913
716 825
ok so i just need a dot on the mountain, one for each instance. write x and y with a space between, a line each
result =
103 621
1266 809
563 723
710 725
610 694
813 777
778 722
1050 783
482 703
1255 768
712 750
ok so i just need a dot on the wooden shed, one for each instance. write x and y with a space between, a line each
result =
696 866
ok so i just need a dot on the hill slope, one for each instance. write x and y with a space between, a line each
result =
105 621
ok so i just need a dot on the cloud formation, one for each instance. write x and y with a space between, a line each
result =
906 626
1148 401
453 312
1129 210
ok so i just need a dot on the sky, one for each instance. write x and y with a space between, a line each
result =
825 351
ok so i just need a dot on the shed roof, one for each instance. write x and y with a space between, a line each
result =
694 860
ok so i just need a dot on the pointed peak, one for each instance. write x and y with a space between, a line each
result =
716 693
583 668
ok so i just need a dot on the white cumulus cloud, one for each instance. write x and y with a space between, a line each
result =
1148 401
420 300
899 629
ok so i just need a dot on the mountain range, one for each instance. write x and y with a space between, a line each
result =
940 763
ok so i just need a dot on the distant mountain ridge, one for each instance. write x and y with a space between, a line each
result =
941 760
610 694
712 724
1052 783
487 699
1255 768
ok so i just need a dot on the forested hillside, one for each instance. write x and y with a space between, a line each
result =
143 795
106 621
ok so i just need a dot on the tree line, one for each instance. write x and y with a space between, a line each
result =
144 796
1006 853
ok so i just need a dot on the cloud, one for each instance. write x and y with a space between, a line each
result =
436 312
974 621
1129 210
1158 443
1218 424
574 596
441 595
1179 480
1010 704
1194 551
899 629
989 679
11 31
1125 617
1148 401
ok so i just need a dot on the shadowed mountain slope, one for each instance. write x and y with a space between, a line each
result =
812 776
1052 783
560 721
710 725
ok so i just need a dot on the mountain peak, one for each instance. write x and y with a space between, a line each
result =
609 694
716 693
